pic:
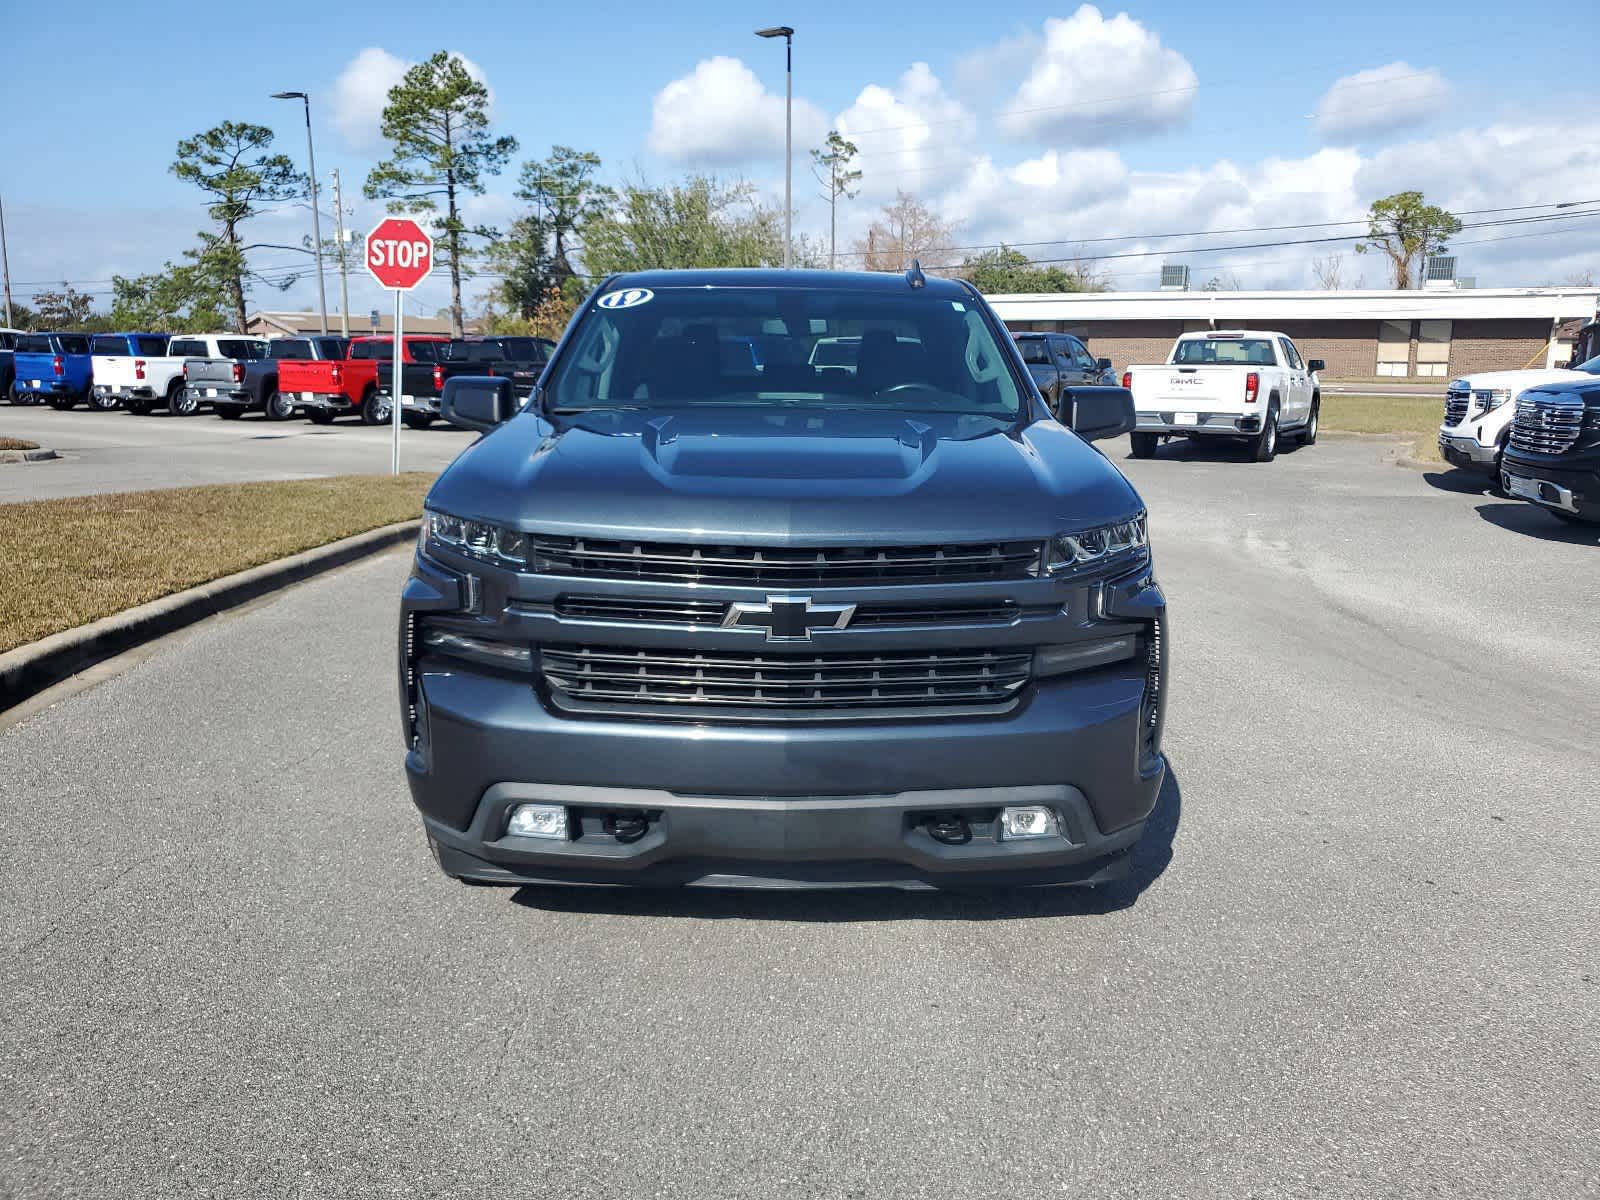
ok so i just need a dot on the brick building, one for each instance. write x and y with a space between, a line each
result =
1369 335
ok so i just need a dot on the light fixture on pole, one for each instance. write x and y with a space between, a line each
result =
316 219
787 34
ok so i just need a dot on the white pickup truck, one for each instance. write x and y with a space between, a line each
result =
143 384
1479 410
1235 383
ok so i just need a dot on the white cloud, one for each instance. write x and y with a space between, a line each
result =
913 136
720 115
361 93
980 72
1381 100
1095 80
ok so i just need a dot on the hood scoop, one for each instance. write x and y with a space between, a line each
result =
815 446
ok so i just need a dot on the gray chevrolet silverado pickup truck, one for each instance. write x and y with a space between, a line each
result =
690 619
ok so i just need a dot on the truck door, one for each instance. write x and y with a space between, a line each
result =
1297 404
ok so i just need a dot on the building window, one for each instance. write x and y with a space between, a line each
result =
1433 349
1394 349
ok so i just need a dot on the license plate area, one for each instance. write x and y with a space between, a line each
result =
1186 418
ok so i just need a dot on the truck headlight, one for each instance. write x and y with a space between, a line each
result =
1491 400
483 540
1105 545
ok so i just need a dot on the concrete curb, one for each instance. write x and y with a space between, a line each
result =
43 454
29 669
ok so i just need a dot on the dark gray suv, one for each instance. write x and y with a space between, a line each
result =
706 612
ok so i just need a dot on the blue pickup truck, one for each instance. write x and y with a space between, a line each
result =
55 367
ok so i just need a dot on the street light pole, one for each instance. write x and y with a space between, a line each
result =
316 218
787 34
5 261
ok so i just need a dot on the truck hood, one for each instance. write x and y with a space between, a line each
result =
760 475
1517 380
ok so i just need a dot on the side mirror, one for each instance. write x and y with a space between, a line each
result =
1103 364
1316 364
477 402
1096 413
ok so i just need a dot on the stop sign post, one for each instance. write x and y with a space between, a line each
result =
399 256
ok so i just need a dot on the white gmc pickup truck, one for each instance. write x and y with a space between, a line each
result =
1479 409
1250 384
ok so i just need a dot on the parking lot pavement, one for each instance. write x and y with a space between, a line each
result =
119 452
1358 955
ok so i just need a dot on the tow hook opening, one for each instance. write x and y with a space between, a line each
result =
951 828
625 825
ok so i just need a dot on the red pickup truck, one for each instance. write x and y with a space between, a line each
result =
358 383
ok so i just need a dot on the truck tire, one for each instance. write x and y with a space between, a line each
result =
1265 446
181 402
139 406
102 403
278 406
320 416
375 407
1144 444
228 412
417 420
61 401
1308 435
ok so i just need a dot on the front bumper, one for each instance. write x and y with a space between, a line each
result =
1198 424
1467 452
1570 482
787 804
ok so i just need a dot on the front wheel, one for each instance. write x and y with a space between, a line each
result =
1144 444
1265 447
279 406
103 401
376 408
1308 436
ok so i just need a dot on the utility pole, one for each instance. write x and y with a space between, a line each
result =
5 260
344 280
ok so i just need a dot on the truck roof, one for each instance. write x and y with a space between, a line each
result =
771 277
1231 333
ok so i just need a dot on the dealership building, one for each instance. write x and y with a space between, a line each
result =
1416 335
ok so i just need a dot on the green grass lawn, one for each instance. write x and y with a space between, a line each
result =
1415 416
69 562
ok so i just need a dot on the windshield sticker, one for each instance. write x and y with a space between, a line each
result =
627 298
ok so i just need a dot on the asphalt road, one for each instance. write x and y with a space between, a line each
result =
119 452
1359 956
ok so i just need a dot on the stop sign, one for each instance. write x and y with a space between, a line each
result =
399 253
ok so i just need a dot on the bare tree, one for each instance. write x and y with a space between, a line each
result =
907 229
1329 272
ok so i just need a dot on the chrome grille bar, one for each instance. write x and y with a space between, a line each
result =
1546 425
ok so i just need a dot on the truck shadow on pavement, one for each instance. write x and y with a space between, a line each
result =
1149 860
1516 516
1213 450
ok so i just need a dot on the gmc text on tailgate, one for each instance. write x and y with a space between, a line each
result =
684 619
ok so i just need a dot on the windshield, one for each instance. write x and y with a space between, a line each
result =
1592 366
725 346
1254 352
1035 351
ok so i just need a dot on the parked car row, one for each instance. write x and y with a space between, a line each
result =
318 376
1535 433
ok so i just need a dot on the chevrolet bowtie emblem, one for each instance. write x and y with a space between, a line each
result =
788 618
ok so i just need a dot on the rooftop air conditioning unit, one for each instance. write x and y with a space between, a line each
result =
1439 271
1174 279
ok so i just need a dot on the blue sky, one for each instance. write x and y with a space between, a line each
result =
1053 122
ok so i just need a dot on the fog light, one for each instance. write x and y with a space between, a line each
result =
1028 821
539 821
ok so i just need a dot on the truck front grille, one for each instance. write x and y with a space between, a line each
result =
659 611
1547 425
1456 405
784 566
620 677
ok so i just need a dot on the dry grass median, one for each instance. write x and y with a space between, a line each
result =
64 563
10 443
